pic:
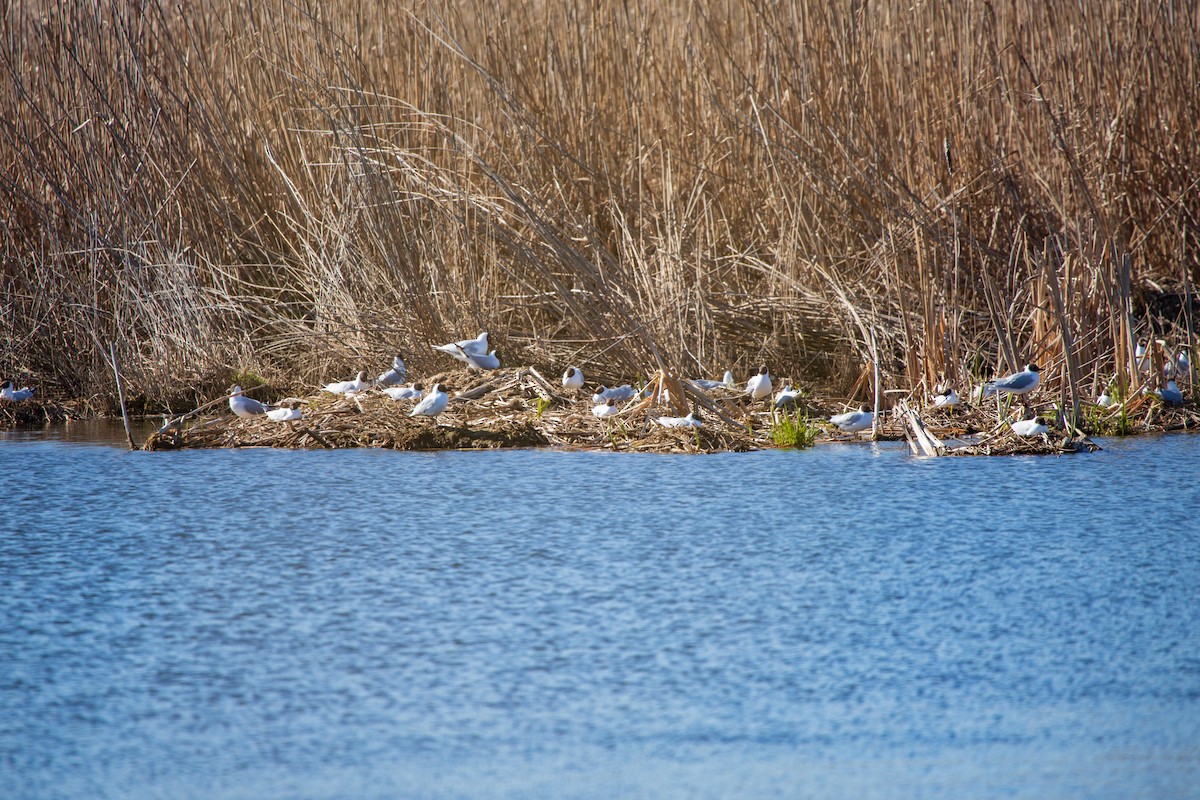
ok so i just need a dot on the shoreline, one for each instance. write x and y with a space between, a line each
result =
517 407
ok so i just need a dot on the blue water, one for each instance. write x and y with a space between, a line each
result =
842 622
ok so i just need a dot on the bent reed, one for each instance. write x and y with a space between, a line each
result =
926 192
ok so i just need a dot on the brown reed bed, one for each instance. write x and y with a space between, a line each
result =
289 191
32 413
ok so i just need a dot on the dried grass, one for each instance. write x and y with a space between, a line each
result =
293 190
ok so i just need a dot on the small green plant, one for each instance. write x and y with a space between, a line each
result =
542 404
793 430
1102 422
246 378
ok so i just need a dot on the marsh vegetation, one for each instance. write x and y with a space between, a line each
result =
292 191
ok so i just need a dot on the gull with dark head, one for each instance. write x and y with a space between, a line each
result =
707 385
606 409
692 420
573 379
478 346
7 392
478 361
431 404
786 396
946 397
1018 383
405 392
1029 427
621 394
759 385
1171 395
289 412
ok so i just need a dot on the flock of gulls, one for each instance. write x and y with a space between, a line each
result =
607 400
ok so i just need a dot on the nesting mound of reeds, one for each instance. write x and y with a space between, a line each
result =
505 408
29 413
976 429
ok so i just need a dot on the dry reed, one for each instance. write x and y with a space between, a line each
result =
288 190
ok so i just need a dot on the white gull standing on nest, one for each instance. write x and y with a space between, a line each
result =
431 404
245 406
759 385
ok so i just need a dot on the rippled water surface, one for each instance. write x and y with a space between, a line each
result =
842 622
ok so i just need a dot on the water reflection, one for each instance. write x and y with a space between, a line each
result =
87 431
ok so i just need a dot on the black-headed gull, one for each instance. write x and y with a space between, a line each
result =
707 385
1022 382
479 361
290 412
853 421
431 404
7 392
786 396
478 346
692 420
945 398
245 406
621 394
394 375
759 385
348 387
405 392
1170 395
573 379
1104 400
1028 427
606 409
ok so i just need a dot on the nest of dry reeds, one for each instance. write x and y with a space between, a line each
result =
33 412
978 430
505 408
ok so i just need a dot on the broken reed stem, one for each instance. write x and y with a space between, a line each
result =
1068 343
878 388
112 352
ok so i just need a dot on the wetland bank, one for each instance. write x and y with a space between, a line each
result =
285 194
